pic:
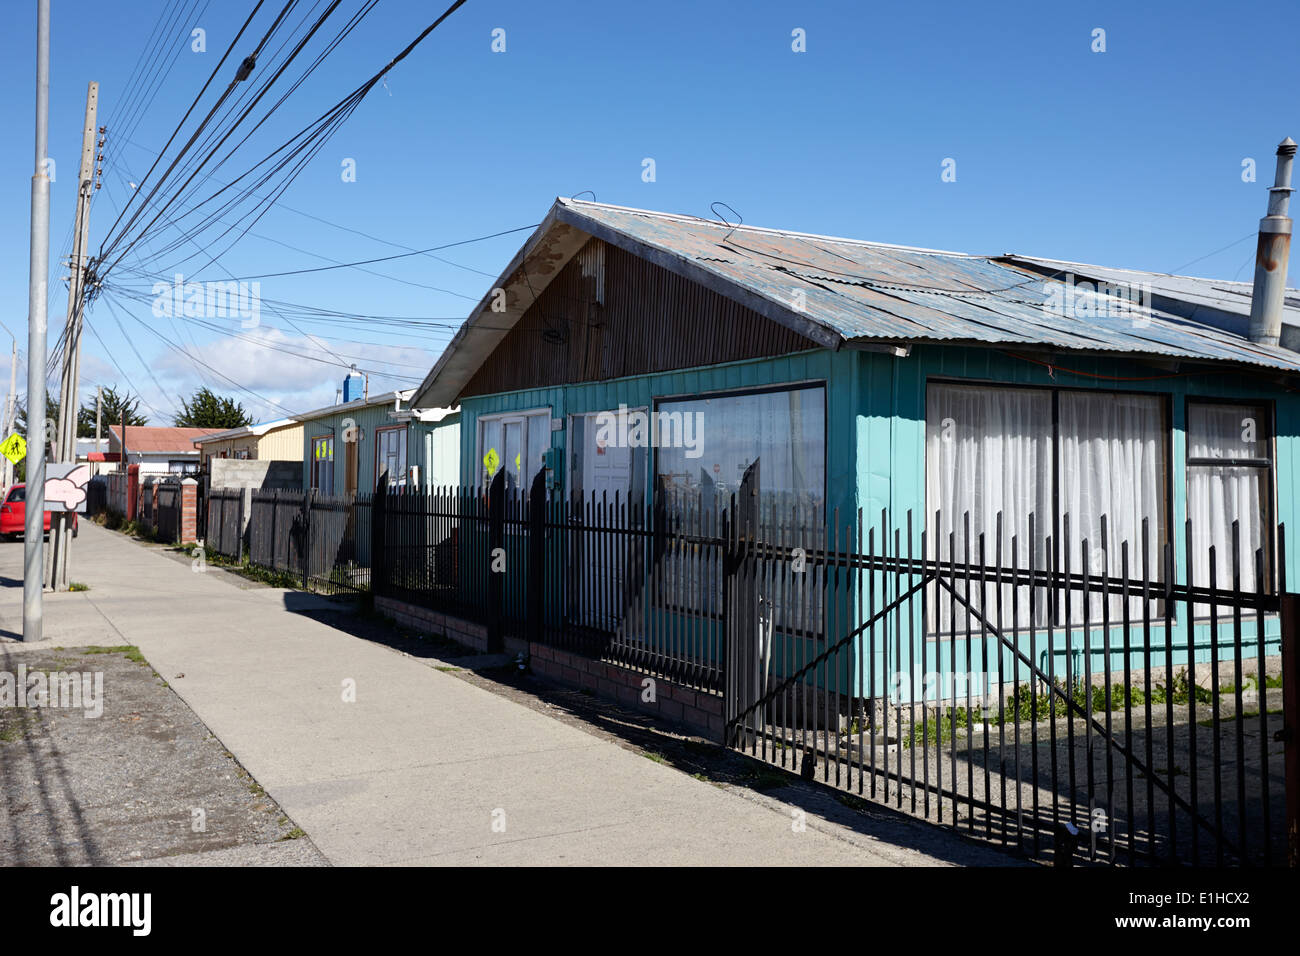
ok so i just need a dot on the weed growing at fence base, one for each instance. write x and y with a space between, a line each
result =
246 569
1025 705
116 522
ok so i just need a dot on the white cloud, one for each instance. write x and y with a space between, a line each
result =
281 367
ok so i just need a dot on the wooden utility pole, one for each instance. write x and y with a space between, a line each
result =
99 409
66 448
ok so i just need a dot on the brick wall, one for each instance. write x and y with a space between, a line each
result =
189 511
696 711
176 516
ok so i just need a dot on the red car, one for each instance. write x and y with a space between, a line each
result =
13 514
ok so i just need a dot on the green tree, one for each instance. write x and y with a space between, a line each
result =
209 410
20 426
51 413
111 407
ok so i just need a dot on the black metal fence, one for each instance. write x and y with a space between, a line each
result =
97 495
1140 723
167 511
321 542
224 522
603 577
1076 699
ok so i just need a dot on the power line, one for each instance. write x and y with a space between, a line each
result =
404 255
336 225
315 255
120 370
115 239
143 364
318 131
304 355
197 361
300 148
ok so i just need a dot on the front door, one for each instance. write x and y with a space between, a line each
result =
350 468
603 477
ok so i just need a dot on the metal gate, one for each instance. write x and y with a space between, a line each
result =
1072 699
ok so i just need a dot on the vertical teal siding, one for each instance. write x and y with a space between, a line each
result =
835 369
875 442
906 469
891 457
368 419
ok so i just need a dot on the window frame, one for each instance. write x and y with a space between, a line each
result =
814 629
313 468
801 384
540 412
1057 616
1269 464
406 451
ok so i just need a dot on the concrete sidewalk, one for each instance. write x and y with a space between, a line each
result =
423 768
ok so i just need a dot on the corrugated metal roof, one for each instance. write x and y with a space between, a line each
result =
866 291
840 291
1222 294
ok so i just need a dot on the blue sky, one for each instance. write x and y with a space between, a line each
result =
1131 157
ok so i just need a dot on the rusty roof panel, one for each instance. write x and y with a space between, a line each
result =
838 291
874 292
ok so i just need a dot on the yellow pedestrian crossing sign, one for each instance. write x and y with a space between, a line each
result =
14 448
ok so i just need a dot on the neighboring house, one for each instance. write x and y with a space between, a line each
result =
158 450
279 440
346 446
96 455
881 378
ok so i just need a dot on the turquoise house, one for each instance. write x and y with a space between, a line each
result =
892 383
346 447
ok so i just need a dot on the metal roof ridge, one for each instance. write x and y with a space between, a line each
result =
1145 272
687 217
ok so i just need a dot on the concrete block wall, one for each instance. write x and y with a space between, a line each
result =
696 711
432 622
267 474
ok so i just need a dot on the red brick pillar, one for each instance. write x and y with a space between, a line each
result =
132 491
189 510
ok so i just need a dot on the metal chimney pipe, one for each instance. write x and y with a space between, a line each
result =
1272 253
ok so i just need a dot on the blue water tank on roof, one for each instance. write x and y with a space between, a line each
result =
353 386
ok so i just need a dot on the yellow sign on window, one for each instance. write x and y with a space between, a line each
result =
14 448
491 461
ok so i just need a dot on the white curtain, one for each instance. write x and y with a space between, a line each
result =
1112 468
1218 495
988 453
